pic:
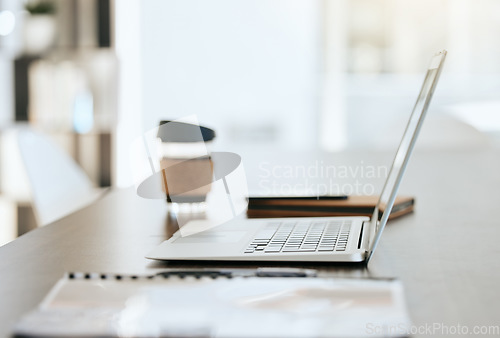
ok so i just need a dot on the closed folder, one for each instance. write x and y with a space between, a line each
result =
351 206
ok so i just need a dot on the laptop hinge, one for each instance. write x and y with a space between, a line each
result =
361 235
364 236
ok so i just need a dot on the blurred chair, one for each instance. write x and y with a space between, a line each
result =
440 132
446 132
57 185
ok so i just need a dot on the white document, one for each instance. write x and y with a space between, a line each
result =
222 307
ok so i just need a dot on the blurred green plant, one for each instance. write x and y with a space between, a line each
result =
40 7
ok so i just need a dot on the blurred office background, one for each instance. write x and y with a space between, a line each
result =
333 75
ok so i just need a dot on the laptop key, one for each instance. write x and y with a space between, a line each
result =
301 237
290 250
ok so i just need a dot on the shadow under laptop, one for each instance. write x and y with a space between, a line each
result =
277 269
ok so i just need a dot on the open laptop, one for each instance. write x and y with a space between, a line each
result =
317 239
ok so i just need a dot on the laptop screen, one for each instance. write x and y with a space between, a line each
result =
391 185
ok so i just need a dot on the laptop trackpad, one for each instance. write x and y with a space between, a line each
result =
212 237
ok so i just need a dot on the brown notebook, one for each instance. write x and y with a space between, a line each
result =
351 206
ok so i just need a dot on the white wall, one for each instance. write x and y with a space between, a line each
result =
248 68
129 118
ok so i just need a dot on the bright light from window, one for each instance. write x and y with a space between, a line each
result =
7 23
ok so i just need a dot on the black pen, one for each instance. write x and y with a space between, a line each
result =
307 197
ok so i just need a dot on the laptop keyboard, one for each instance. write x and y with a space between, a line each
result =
301 236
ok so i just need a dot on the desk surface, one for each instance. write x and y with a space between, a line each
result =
446 252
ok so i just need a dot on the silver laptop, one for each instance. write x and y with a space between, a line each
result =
316 239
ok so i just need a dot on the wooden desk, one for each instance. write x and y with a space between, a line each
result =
446 252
